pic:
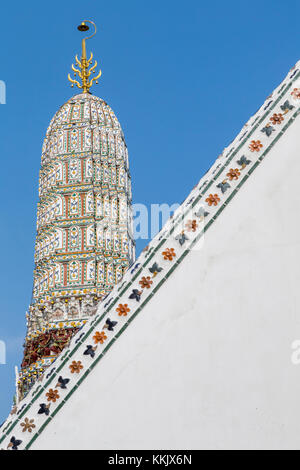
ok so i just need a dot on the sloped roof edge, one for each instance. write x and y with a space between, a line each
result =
154 266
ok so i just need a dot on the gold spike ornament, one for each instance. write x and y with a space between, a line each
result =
84 67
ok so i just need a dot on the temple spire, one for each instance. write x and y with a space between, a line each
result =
85 67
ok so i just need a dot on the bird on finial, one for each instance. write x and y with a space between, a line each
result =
85 67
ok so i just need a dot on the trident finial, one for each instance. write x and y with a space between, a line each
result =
85 68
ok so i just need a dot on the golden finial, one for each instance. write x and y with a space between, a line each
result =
85 68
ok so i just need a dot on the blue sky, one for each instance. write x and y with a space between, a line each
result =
182 77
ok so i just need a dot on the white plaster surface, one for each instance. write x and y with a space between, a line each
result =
207 362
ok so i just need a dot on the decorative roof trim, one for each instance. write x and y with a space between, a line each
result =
137 287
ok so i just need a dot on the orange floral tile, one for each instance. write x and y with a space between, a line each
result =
75 367
255 146
169 254
277 118
99 337
213 199
123 309
191 225
146 282
28 425
52 395
233 174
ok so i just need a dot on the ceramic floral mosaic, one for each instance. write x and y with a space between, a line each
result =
168 249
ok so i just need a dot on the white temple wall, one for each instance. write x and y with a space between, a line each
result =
207 362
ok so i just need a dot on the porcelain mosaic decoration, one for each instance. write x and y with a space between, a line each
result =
153 268
84 241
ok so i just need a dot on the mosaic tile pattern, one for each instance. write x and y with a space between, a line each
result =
84 241
168 249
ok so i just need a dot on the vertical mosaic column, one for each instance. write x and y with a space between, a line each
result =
84 241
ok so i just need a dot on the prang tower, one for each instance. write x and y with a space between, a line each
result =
84 241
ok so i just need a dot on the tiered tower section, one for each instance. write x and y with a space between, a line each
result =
84 240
